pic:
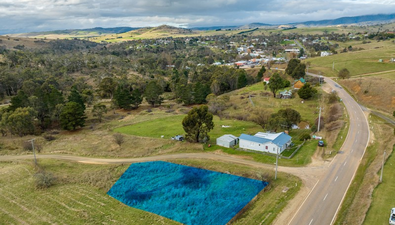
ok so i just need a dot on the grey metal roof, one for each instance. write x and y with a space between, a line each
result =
228 137
254 138
282 139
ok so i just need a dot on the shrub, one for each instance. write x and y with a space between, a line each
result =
332 98
44 180
27 146
118 138
304 137
49 137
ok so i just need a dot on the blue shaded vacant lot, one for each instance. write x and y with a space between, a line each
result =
185 194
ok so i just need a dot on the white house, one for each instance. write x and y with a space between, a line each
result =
325 53
265 142
227 140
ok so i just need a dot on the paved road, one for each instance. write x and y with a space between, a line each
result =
323 202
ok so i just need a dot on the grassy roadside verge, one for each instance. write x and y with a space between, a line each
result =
378 212
359 196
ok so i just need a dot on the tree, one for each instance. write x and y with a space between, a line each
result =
136 98
393 114
283 119
118 139
153 93
307 91
122 98
98 110
260 73
241 81
107 87
299 71
260 116
344 73
76 97
276 83
197 124
291 117
20 121
292 64
19 101
301 52
72 116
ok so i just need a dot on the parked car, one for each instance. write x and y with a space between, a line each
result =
178 138
392 217
321 143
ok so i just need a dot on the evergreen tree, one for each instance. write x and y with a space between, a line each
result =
20 121
19 101
153 93
200 93
276 83
292 64
137 98
76 97
72 116
122 98
299 71
241 81
307 91
260 73
197 124
344 73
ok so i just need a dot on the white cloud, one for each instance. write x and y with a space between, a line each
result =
37 15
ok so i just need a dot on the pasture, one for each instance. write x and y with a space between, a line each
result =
79 194
357 62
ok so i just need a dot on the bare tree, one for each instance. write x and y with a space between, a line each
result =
119 139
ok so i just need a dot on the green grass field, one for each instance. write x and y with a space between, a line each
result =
172 126
382 201
358 62
79 194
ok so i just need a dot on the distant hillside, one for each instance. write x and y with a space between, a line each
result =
255 25
94 32
350 20
214 28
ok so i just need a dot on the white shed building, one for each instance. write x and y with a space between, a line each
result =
227 140
265 142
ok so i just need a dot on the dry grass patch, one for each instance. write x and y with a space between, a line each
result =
376 92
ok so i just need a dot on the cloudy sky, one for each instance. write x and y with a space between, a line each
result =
17 16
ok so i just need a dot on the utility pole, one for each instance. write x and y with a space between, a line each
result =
275 175
319 120
34 152
333 66
382 168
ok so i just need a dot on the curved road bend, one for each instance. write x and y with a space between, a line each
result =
323 202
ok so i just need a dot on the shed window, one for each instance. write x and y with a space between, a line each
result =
266 147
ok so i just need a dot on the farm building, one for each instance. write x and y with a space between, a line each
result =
227 140
298 84
265 142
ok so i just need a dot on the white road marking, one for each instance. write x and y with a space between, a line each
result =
356 140
311 221
325 197
352 150
345 163
336 178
